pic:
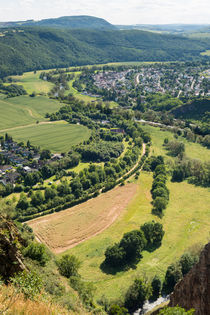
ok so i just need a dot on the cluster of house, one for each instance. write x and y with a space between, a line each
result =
174 81
17 159
154 79
113 80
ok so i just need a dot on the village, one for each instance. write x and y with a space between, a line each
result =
17 159
176 80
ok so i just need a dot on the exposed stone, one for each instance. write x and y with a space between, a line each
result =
11 259
193 291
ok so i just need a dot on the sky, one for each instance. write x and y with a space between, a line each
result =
115 11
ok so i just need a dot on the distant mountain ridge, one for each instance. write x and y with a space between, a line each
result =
70 22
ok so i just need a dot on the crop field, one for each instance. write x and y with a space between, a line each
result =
55 136
192 150
31 82
63 230
24 110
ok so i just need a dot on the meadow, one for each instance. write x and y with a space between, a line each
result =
192 150
55 136
32 83
25 110
186 225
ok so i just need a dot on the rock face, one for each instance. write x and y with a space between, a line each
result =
193 291
11 260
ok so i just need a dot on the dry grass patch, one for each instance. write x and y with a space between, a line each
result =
66 229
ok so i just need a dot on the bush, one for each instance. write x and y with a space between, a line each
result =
137 294
117 310
115 256
156 288
133 243
153 232
176 311
68 266
172 276
37 252
27 283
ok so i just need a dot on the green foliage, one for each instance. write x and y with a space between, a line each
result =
100 151
137 294
153 232
37 252
172 276
84 289
187 261
176 311
115 255
28 283
80 47
117 310
133 243
175 148
68 266
156 288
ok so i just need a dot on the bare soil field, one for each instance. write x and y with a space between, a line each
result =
66 229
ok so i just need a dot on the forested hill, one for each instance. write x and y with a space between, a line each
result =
30 48
69 22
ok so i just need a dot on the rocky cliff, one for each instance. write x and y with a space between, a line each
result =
11 260
193 291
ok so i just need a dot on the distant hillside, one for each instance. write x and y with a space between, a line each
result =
167 28
31 48
71 22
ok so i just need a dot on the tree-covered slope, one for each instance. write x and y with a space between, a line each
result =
71 22
33 48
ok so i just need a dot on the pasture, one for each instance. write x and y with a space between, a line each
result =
186 225
31 82
192 150
55 136
25 110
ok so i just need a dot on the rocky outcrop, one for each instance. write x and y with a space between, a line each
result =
11 260
193 291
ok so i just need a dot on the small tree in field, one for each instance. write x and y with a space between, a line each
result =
68 266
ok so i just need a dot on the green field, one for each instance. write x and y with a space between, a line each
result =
193 150
55 136
31 82
186 225
207 52
25 110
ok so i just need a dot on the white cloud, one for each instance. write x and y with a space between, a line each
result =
115 11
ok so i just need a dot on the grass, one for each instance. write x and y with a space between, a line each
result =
207 52
186 223
56 136
193 150
31 82
24 110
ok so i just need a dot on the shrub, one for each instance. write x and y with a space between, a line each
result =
137 294
27 283
37 252
153 232
68 266
115 255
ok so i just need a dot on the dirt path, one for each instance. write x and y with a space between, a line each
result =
68 228
30 125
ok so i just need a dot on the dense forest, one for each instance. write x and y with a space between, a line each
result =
32 48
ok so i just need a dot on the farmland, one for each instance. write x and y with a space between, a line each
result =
24 110
55 136
31 83
68 228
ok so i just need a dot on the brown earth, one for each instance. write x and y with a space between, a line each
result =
193 291
66 229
